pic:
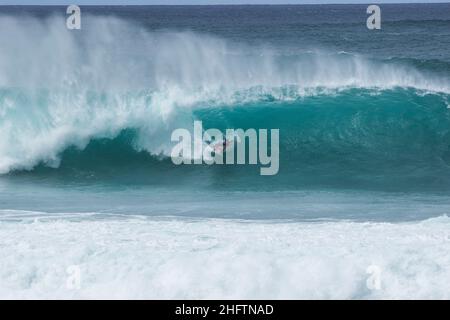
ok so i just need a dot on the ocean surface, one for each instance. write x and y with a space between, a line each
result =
86 177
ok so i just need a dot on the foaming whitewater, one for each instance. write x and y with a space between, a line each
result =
60 88
142 258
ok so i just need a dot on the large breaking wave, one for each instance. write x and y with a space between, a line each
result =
61 89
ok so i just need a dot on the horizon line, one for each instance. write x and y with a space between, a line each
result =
225 4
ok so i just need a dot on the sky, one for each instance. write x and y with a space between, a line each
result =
179 2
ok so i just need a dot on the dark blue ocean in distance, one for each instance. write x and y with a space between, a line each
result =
364 115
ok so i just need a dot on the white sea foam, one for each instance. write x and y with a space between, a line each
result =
140 257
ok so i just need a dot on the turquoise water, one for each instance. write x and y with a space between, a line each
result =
86 116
